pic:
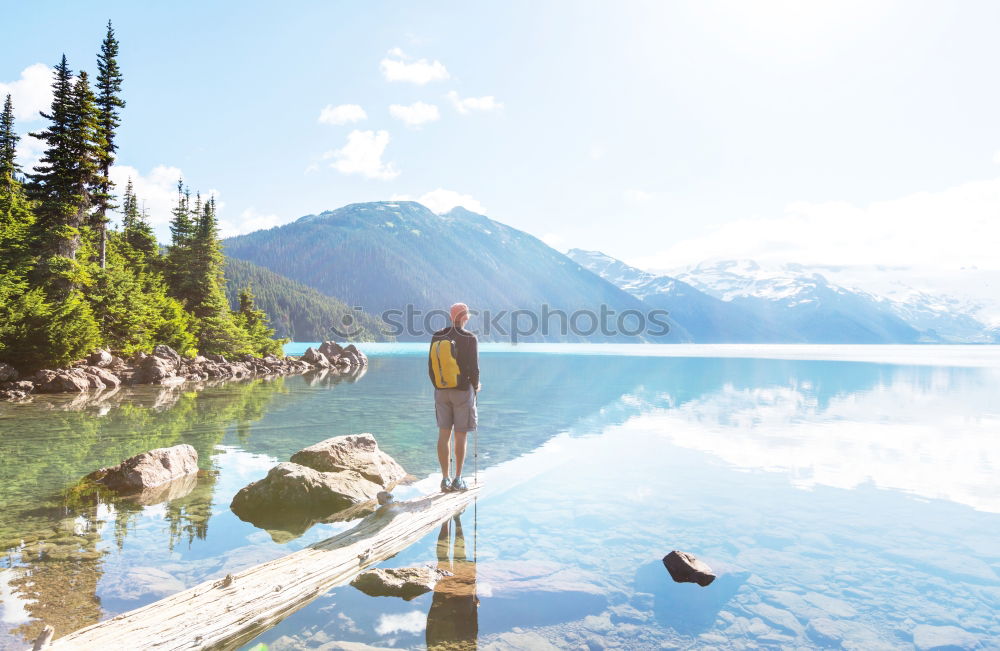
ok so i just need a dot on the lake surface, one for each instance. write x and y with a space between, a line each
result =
844 503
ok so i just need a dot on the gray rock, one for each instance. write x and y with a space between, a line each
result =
293 486
942 638
149 469
357 452
12 394
315 358
330 349
62 381
351 348
93 381
102 358
218 359
405 582
7 372
168 353
685 568
384 497
154 370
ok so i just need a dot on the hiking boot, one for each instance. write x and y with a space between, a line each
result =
459 485
446 485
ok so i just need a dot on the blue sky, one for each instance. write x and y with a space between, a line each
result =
662 133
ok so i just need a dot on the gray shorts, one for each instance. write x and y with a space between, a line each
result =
456 408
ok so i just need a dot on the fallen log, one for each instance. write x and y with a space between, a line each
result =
226 613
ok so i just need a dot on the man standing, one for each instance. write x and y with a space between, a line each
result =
453 366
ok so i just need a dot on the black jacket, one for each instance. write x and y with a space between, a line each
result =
467 355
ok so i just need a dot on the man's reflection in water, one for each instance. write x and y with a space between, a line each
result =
453 620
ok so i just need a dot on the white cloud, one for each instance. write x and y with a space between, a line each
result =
156 191
954 227
469 104
29 152
415 114
638 196
396 66
996 157
31 93
411 622
249 220
557 241
363 155
441 201
342 114
596 152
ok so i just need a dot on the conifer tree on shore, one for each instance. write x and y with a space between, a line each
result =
8 143
109 103
70 284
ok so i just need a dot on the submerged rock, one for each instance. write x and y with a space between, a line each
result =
685 568
149 469
405 582
357 452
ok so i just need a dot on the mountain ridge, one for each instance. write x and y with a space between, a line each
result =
398 255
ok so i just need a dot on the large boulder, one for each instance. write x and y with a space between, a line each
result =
357 452
356 357
7 372
405 582
295 487
61 381
149 469
155 370
315 358
169 354
331 349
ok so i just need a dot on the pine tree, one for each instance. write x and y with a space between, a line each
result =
109 102
136 231
65 179
8 145
255 323
51 183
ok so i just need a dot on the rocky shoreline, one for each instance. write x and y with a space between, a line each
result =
164 366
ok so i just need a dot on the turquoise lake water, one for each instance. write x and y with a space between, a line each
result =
845 504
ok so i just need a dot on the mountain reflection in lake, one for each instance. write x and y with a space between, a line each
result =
845 503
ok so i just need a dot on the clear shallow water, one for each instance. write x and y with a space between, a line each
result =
850 503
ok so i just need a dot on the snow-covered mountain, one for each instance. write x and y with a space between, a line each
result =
790 302
938 316
706 318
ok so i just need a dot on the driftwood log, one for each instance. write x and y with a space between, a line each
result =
226 613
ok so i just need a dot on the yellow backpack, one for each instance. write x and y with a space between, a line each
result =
444 364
